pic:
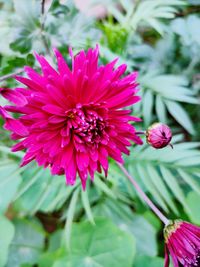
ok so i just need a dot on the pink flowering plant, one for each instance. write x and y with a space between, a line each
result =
99 153
78 112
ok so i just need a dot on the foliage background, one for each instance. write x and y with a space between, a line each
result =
44 223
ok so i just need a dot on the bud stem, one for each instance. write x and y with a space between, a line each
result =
140 132
11 75
144 196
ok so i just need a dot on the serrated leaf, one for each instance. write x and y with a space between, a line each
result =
95 248
184 157
133 224
27 243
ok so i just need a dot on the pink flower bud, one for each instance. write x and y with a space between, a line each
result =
182 242
159 135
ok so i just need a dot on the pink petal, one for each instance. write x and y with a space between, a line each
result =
71 172
166 264
53 109
16 127
14 96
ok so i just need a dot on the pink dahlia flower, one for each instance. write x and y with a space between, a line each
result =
159 135
183 243
73 120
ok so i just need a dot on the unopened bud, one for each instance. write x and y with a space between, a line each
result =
159 135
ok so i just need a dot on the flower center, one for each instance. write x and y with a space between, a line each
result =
87 124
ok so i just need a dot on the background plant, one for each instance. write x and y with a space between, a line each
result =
108 224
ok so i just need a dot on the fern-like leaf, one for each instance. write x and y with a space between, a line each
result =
165 173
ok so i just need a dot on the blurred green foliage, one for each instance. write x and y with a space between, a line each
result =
44 223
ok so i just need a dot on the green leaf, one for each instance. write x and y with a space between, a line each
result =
168 90
35 184
62 18
180 116
161 109
144 176
27 25
143 261
21 44
32 178
192 201
55 250
172 87
188 29
160 185
70 216
8 151
27 11
167 173
147 107
55 240
189 179
30 60
39 191
103 187
133 224
86 205
146 13
153 219
47 259
6 236
10 179
141 228
174 186
102 245
114 33
6 33
27 244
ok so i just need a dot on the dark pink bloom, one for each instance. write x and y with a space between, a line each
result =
73 120
183 243
159 135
